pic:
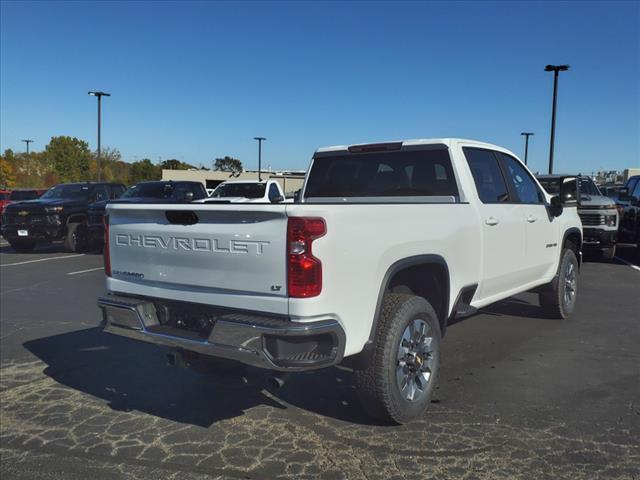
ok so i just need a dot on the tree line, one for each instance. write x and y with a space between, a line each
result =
69 159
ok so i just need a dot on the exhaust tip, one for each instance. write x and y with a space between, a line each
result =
278 381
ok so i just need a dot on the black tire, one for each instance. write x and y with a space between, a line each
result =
609 253
22 246
556 299
73 241
379 385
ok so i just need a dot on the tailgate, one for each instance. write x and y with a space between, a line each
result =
229 249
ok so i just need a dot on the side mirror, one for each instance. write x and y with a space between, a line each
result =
296 196
278 199
188 196
555 206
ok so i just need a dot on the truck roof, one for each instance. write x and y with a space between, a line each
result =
248 181
417 142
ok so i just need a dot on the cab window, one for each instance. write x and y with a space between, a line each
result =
100 193
487 175
523 184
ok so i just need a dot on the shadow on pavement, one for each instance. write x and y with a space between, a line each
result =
132 375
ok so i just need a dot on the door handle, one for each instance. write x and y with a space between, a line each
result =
531 219
491 221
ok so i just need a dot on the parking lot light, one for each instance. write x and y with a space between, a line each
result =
27 141
555 69
99 95
526 144
259 139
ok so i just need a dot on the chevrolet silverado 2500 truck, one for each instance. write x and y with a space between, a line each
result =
387 244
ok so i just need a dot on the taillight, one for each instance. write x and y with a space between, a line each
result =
304 270
105 254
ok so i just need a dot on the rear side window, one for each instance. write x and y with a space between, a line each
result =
116 191
524 186
414 173
487 175
273 192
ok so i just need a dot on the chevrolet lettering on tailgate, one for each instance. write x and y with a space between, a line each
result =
192 244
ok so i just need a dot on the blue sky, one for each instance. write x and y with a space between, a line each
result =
196 81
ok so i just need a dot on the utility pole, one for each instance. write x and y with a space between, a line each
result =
99 95
27 141
260 140
555 69
526 144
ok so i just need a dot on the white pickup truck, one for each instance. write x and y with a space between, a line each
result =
386 245
247 191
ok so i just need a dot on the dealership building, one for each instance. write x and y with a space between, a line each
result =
290 180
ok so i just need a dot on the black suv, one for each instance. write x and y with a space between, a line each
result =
56 215
629 206
145 192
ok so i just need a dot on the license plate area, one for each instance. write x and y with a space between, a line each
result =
23 233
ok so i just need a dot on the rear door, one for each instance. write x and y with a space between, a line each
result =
503 228
541 237
207 248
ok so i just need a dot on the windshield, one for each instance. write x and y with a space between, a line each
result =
18 195
68 191
587 187
149 190
246 190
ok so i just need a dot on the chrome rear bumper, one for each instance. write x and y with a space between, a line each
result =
251 338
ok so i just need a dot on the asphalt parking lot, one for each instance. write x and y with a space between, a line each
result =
520 396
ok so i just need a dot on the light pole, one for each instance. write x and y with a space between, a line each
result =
27 141
526 144
260 140
99 95
555 69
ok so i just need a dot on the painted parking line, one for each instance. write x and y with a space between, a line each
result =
41 260
86 271
635 267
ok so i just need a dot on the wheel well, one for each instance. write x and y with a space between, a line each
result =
573 240
429 281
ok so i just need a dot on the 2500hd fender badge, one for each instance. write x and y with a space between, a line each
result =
191 244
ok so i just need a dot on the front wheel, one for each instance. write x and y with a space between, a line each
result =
75 239
398 383
558 299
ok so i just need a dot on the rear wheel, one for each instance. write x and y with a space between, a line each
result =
558 299
398 384
22 246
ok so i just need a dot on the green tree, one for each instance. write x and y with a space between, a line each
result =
228 164
143 170
7 169
174 164
70 157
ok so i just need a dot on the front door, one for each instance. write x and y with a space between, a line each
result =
503 229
